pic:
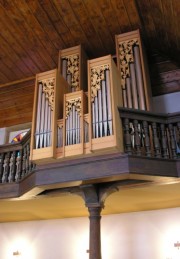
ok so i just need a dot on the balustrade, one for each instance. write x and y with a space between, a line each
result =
14 161
151 135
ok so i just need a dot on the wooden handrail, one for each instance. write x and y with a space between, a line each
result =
151 134
14 160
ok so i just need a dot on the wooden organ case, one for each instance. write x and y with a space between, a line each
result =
105 130
48 108
131 62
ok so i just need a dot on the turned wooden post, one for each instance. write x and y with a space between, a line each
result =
127 136
146 138
137 140
95 232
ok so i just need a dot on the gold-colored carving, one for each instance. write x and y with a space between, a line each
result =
73 70
126 56
97 75
73 102
48 89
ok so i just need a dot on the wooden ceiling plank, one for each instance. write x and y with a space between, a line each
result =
3 78
8 48
110 17
51 51
87 27
133 14
13 85
46 23
34 48
16 110
51 8
7 72
122 16
176 21
24 118
171 31
144 9
22 97
100 25
11 102
70 20
158 19
4 56
5 96
8 31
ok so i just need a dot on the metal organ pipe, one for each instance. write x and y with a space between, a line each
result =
42 121
134 86
97 117
73 127
100 112
46 122
109 101
139 78
129 94
93 119
104 105
124 97
37 134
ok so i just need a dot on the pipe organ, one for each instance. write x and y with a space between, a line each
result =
73 116
134 76
48 108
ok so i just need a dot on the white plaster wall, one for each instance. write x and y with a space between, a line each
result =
141 235
167 103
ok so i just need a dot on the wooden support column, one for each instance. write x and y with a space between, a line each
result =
94 196
94 205
95 232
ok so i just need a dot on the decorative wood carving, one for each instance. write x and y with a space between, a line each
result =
97 75
126 56
73 70
76 102
48 89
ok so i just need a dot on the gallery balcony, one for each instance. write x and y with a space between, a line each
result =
151 148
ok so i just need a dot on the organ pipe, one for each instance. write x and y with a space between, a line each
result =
129 93
37 136
109 101
139 78
134 86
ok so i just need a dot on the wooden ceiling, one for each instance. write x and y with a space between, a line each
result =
33 31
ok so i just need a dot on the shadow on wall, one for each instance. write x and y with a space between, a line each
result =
168 103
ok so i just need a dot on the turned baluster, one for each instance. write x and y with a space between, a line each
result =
6 168
18 166
137 140
127 136
1 166
27 159
164 141
157 150
146 138
177 138
12 167
24 162
172 141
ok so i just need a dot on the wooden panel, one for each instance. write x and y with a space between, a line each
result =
32 32
105 130
16 103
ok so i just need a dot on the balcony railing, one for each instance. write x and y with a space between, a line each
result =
14 161
145 134
150 134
